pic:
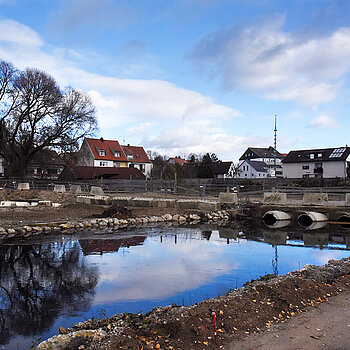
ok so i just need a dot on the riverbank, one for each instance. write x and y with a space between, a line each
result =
253 309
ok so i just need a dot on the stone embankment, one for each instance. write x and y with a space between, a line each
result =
219 217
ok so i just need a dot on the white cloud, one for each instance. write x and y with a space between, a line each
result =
18 34
324 122
125 103
280 65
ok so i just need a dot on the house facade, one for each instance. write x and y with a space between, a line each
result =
224 170
252 169
110 154
318 163
266 155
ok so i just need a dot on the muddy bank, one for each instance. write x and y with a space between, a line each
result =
214 323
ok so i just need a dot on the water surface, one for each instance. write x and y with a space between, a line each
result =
59 281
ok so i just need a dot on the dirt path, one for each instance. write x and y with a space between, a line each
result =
326 326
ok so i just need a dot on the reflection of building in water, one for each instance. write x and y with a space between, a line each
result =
206 234
100 246
315 239
228 233
275 238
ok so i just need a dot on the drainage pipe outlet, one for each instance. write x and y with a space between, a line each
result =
309 218
272 216
344 220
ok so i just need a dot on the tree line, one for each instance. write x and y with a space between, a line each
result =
36 115
197 166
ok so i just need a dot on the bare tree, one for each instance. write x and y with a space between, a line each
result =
37 115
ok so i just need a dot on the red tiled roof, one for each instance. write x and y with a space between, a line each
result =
178 161
138 153
110 147
97 246
89 172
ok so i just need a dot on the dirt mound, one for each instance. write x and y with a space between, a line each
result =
115 211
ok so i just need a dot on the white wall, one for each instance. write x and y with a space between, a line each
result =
108 163
330 169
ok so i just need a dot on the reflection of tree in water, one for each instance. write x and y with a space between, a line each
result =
38 282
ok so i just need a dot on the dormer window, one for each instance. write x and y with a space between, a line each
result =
130 156
319 155
117 154
102 152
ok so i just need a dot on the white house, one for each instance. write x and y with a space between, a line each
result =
267 156
252 169
325 162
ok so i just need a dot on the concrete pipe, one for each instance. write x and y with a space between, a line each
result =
310 218
271 217
344 220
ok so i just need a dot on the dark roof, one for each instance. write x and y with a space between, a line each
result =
318 155
137 154
89 172
256 152
258 165
221 167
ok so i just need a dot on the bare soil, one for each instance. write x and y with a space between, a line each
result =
69 209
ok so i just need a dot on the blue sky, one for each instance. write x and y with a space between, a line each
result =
195 76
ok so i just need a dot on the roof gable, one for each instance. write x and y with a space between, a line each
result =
221 167
259 152
318 155
135 154
110 147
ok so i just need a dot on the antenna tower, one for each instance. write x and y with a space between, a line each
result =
275 146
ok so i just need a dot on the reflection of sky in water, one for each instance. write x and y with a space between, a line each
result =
160 272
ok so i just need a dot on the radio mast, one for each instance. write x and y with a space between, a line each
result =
275 146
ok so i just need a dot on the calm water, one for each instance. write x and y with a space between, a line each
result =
59 281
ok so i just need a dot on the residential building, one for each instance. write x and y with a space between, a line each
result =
177 160
316 163
110 154
266 155
46 164
223 170
252 169
137 158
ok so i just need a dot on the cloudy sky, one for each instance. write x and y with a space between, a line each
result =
183 76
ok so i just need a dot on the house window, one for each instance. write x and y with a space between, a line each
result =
131 165
117 154
305 167
102 152
312 156
319 155
103 163
142 167
116 164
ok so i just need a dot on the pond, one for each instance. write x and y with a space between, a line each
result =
57 281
